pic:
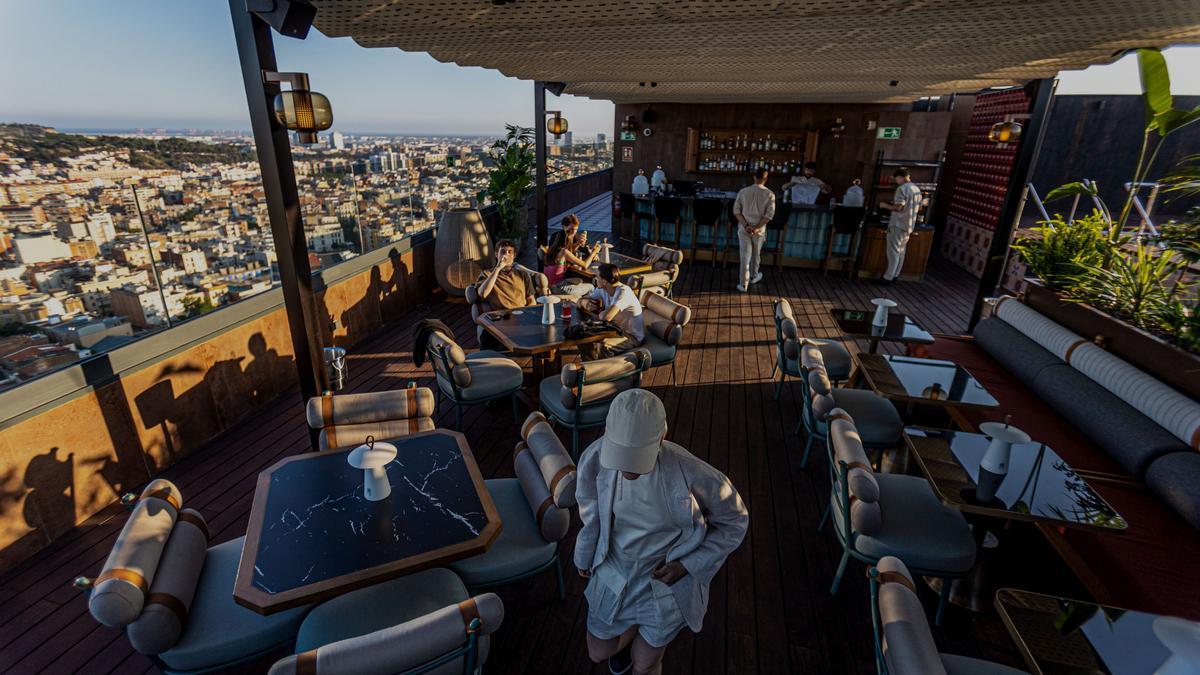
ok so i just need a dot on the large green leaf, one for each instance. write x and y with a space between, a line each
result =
1070 190
1173 119
1156 84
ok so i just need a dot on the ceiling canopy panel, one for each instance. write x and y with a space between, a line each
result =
767 50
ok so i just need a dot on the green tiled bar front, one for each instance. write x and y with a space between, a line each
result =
806 230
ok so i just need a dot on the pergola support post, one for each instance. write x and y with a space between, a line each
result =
256 52
1042 93
540 208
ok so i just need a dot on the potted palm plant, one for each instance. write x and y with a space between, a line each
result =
511 180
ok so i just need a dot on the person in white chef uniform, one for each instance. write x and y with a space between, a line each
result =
641 184
658 523
905 207
658 181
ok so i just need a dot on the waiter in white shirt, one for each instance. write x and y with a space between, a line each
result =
905 206
641 186
753 208
806 186
658 180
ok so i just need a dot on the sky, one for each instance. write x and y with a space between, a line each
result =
106 64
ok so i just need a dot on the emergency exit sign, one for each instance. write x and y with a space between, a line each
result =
888 132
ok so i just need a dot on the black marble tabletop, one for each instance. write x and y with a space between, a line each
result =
1039 484
924 380
856 323
522 330
317 526
1067 637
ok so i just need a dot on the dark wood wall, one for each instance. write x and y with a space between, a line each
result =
840 160
1099 137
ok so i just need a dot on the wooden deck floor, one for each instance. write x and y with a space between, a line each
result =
770 611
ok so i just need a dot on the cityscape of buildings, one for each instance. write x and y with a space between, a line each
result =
114 236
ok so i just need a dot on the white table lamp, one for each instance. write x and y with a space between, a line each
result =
881 311
548 302
994 465
373 459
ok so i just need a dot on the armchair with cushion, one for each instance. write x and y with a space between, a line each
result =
664 320
903 643
579 397
420 623
787 349
346 419
879 422
173 596
535 509
887 514
661 279
480 307
472 379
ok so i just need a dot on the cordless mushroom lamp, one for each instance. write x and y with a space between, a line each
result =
994 465
548 314
373 459
298 109
881 311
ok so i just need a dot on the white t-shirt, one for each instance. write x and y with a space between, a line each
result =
805 190
629 318
641 186
908 197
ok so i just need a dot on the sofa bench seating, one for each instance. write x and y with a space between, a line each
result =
1157 476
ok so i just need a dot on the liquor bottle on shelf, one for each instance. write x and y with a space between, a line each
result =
770 144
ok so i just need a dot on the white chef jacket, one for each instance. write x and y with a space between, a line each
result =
641 186
908 197
805 190
659 179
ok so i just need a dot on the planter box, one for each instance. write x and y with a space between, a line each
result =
1170 364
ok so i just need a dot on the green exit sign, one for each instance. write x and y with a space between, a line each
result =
888 132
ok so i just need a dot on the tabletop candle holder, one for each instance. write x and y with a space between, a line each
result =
881 311
373 459
548 302
994 465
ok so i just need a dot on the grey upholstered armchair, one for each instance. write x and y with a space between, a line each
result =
662 278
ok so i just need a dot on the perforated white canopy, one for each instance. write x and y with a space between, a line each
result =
767 50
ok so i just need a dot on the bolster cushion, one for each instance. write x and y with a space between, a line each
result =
1176 479
664 306
1054 338
166 610
865 514
119 593
1019 354
783 310
402 647
601 369
552 522
376 406
552 459
457 357
1125 434
908 646
662 327
354 435
652 279
1172 410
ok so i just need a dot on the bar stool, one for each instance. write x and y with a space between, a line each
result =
629 212
667 210
705 213
730 241
778 225
847 220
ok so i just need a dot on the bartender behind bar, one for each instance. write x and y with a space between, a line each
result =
806 187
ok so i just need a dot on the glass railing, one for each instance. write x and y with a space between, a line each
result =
121 237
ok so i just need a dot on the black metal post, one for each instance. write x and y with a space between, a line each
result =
257 54
1042 93
539 134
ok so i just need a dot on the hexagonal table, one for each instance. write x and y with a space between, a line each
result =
312 535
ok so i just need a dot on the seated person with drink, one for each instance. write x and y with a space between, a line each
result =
568 251
613 301
507 285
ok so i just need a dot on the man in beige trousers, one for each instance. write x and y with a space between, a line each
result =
753 208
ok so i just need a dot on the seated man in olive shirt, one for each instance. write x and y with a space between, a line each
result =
506 286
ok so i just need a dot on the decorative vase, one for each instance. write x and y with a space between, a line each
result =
881 311
462 250
994 465
373 459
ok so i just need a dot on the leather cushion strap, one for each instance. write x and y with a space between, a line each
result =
165 495
193 519
126 575
541 510
170 602
562 473
896 578
469 611
410 401
327 410
414 424
306 663
1072 348
331 436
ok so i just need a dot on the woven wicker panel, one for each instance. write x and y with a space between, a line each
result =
766 50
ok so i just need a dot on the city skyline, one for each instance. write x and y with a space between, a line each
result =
185 53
